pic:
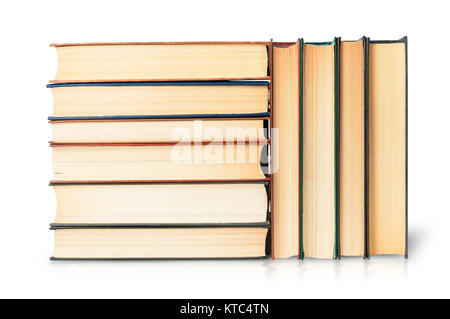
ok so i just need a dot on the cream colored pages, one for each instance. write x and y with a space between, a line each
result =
160 243
158 100
156 203
157 131
387 145
318 151
153 61
351 203
286 113
181 162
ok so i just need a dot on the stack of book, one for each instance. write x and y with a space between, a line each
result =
160 151
230 149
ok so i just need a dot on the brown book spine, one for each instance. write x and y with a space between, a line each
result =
155 43
56 144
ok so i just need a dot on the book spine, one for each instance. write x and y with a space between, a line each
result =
64 144
55 226
300 150
366 44
158 117
156 182
271 148
158 80
405 40
155 43
161 83
156 258
337 76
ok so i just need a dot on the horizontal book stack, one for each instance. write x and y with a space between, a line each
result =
230 149
160 151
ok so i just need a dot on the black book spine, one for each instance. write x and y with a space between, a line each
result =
337 122
366 146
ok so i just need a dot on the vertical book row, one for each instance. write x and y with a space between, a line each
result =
348 102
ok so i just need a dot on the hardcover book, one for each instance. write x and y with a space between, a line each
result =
353 148
388 147
103 62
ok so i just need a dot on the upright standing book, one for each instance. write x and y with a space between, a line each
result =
353 148
388 147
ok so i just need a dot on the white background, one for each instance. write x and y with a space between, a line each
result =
28 205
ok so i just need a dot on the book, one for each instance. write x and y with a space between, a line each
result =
83 62
115 99
388 147
319 150
353 148
248 241
161 203
286 174
243 129
94 162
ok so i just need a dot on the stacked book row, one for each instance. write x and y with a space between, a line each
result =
229 149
